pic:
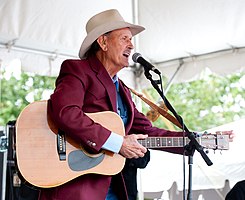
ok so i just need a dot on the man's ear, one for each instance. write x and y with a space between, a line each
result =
102 42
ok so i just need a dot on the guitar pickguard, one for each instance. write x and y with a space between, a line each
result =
80 161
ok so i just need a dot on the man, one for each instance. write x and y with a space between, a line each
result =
91 85
237 192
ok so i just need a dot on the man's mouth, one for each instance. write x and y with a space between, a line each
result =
126 54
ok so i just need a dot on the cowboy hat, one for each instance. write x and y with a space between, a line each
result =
104 22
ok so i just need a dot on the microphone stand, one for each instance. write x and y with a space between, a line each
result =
193 144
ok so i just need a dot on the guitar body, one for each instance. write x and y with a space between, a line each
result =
36 149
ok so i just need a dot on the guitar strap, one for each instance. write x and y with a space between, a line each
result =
61 144
160 110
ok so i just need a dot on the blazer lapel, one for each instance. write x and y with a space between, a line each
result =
105 79
110 88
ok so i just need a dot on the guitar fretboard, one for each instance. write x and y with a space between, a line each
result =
159 142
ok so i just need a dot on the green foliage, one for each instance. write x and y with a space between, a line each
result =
202 104
206 103
16 93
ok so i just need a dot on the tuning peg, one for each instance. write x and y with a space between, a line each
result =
198 134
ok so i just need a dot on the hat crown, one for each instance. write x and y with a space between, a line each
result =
102 18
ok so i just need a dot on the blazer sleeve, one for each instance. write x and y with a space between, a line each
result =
65 108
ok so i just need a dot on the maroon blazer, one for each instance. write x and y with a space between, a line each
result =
84 86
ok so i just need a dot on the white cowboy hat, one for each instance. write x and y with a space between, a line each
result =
104 22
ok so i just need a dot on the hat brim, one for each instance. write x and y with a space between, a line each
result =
100 30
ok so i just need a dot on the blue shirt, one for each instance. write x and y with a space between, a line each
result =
114 142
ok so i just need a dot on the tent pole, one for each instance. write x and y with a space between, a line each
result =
170 82
135 10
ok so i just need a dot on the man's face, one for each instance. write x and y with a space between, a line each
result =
119 46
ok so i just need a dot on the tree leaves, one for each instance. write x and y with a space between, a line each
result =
202 104
207 103
15 92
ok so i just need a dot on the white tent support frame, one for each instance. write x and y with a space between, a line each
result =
170 82
194 57
55 54
180 64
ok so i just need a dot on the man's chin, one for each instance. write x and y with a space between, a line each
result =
126 64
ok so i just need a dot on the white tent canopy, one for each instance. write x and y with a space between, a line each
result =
44 33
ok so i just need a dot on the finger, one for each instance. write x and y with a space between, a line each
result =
143 150
141 136
141 154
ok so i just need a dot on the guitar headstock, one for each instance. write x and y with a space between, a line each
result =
220 140
230 133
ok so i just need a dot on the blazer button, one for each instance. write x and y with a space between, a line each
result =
93 144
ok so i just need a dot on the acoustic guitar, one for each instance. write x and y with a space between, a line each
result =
38 146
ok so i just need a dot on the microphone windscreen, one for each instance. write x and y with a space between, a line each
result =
136 56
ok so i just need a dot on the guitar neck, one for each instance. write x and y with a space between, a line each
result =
160 142
209 141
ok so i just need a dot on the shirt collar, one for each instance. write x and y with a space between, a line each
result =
115 78
115 81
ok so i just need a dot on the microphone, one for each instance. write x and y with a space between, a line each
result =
137 58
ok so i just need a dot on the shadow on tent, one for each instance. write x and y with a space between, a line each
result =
175 194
